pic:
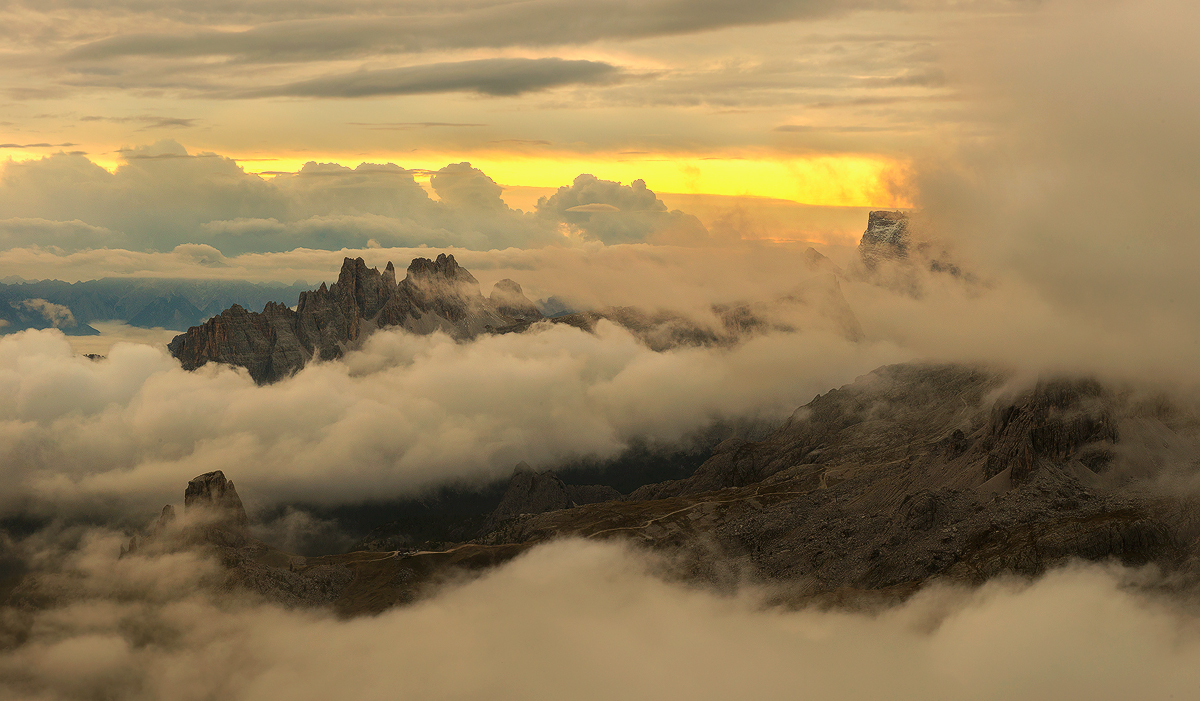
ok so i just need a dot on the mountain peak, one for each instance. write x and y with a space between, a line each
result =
886 236
437 295
444 267
212 492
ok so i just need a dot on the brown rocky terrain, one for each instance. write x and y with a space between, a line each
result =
913 473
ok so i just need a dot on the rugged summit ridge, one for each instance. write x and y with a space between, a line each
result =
435 295
886 237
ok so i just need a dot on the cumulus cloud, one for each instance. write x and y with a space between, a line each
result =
461 185
56 314
164 197
489 76
600 621
155 200
610 212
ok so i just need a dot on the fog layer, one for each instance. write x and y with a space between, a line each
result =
592 621
404 413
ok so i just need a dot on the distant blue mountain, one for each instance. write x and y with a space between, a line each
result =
144 302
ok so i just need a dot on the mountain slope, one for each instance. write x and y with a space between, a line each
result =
911 474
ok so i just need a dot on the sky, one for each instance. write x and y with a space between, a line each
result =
820 102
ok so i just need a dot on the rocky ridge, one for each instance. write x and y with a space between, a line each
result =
435 295
912 473
440 295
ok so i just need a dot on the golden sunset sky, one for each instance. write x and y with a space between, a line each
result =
811 102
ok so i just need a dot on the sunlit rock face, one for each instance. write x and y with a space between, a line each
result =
436 295
886 237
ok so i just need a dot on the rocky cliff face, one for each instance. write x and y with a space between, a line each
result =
436 295
216 497
886 237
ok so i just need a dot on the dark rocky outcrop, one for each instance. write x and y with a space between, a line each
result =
436 295
440 295
215 495
530 492
889 239
1060 421
214 522
867 492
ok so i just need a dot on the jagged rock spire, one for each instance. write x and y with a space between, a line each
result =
212 492
436 295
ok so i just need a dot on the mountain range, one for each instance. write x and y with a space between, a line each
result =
912 474
440 295
142 302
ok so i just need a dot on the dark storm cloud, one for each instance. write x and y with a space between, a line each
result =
148 121
493 76
36 145
538 23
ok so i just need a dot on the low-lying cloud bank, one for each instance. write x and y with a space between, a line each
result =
590 621
405 412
